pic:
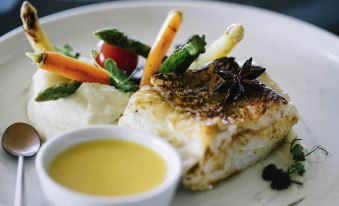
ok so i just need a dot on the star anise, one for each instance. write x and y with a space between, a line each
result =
237 81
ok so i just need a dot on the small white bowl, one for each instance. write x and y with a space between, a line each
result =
58 194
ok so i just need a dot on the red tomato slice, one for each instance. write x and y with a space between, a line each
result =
125 60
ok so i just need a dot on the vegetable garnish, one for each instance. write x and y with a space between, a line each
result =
68 51
221 47
119 78
40 43
281 179
182 58
119 39
126 61
61 90
33 30
69 67
58 91
161 45
236 80
299 154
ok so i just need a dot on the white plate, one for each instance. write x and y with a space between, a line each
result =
303 59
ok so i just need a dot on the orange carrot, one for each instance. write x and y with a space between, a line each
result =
161 45
69 67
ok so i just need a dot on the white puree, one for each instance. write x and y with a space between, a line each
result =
91 104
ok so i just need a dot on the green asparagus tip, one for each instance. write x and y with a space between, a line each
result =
183 57
112 36
196 45
36 57
98 32
119 39
103 32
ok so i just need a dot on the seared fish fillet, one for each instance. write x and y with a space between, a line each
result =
214 140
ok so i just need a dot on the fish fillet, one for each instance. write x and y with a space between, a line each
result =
214 140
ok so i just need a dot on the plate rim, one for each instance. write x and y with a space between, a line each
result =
95 7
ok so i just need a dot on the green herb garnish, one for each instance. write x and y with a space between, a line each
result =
119 79
281 179
299 154
68 51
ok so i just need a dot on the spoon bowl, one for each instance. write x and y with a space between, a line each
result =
21 139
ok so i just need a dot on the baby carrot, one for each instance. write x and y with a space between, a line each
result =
161 45
69 67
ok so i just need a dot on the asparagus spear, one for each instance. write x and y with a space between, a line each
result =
36 36
116 38
222 46
182 58
58 91
34 32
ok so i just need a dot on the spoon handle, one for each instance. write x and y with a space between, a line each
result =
19 187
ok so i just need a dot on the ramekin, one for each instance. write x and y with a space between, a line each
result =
58 194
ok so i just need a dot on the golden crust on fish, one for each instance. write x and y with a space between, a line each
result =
213 139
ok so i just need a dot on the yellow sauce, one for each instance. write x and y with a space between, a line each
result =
108 167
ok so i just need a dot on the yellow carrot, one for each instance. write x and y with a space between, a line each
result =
69 67
161 45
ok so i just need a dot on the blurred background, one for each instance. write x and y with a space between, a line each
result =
323 13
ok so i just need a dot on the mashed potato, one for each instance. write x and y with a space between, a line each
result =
91 104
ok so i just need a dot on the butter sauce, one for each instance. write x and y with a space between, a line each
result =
108 168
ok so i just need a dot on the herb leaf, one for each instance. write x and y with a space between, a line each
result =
68 51
119 79
297 167
58 91
299 154
297 151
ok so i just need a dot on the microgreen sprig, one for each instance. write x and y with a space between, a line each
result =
281 179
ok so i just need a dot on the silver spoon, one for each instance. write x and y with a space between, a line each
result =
21 140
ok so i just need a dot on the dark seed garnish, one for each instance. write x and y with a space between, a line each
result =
281 180
237 80
269 172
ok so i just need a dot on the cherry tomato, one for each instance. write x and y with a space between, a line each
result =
125 60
